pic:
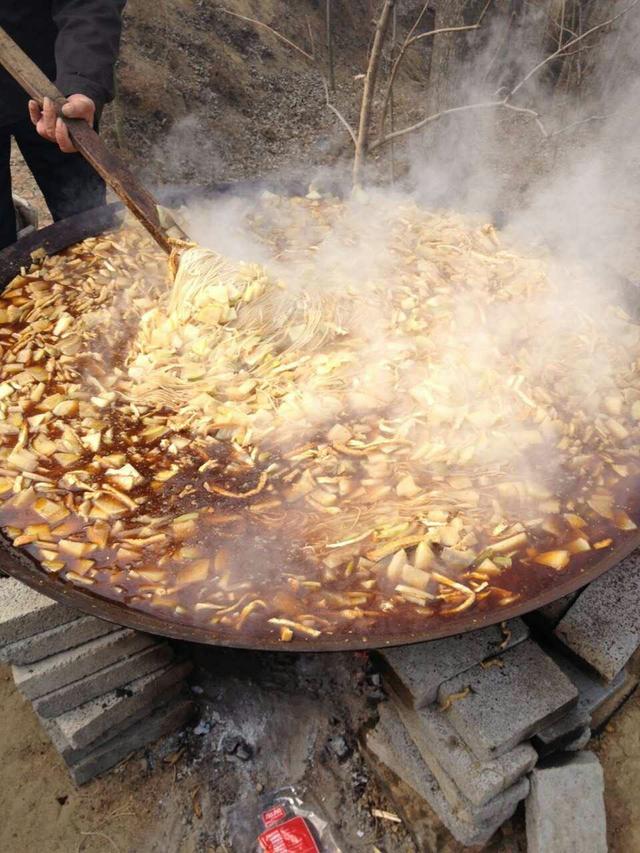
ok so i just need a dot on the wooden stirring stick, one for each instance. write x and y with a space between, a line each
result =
156 219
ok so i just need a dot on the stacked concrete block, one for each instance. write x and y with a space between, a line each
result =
470 717
100 691
565 810
469 765
418 671
602 627
470 823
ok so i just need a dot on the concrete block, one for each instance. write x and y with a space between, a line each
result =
607 709
82 725
508 704
546 618
603 626
36 679
118 674
162 721
593 694
74 755
417 671
565 809
559 735
24 612
580 742
390 743
450 760
55 640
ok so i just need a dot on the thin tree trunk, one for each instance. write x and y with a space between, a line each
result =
364 127
329 23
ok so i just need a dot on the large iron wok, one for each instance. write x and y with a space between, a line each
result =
535 592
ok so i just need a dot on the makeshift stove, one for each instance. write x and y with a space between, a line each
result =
474 724
469 720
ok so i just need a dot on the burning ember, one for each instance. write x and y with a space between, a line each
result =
316 446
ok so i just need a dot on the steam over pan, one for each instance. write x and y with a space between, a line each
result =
397 426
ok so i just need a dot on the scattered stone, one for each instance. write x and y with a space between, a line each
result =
45 676
54 640
418 671
507 705
565 809
24 612
162 721
339 747
85 724
112 677
451 761
603 626
238 746
391 744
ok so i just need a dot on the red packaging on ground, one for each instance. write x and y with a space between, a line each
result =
281 822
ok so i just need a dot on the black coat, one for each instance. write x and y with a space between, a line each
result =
75 43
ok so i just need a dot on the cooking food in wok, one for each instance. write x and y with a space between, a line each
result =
395 418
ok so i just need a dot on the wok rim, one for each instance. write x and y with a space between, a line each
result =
23 567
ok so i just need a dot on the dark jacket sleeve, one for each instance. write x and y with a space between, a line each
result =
87 46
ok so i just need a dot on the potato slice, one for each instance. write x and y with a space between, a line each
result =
557 560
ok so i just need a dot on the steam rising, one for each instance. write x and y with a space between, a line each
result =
389 370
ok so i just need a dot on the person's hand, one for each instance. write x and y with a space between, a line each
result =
53 128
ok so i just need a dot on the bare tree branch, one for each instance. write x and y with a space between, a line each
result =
411 39
338 114
428 119
362 143
505 102
269 29
568 45
576 124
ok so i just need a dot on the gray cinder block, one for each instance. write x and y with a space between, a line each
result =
565 809
417 671
88 722
36 679
448 757
24 612
508 704
580 741
603 713
594 694
603 626
110 677
547 617
162 721
55 640
391 744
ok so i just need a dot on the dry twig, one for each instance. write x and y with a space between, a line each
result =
273 32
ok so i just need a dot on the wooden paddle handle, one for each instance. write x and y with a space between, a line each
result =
107 164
